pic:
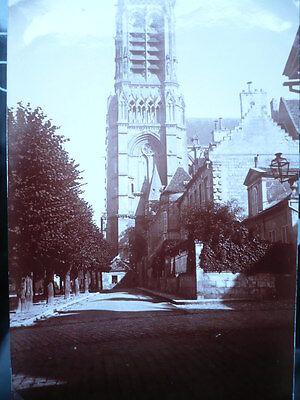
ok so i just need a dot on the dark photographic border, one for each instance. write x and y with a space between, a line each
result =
5 371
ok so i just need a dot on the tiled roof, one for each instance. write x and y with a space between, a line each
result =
140 211
202 128
291 69
178 181
293 108
118 264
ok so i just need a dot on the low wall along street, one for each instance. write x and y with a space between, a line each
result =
212 285
224 285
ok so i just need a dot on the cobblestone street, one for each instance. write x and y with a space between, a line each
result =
126 345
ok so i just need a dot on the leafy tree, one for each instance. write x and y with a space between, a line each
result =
227 243
51 227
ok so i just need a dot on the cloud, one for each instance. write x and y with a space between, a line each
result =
246 14
79 20
13 2
70 20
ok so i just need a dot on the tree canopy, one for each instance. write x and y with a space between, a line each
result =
227 243
51 227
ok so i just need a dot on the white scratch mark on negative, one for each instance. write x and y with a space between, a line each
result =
21 382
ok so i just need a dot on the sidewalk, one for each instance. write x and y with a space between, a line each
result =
42 310
223 303
181 301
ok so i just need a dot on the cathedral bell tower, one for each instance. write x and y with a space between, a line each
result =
146 132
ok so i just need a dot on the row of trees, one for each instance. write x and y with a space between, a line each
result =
51 228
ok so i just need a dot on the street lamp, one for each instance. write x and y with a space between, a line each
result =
280 167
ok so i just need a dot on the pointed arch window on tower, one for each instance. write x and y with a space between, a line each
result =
143 113
182 116
123 109
131 111
137 21
150 112
140 111
155 23
159 113
171 110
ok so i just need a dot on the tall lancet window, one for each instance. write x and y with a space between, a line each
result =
170 110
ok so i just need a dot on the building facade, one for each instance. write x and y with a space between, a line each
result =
146 133
218 176
273 206
232 152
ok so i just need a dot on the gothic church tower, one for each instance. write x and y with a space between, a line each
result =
146 135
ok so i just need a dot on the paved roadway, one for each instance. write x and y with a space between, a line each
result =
126 345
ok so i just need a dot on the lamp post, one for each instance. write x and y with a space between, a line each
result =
280 168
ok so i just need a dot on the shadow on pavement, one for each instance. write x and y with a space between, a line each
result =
156 354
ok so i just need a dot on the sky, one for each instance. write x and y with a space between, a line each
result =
61 58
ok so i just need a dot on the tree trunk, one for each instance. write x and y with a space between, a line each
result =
50 293
98 280
93 281
21 295
86 283
61 284
33 287
76 286
49 285
67 285
28 293
101 282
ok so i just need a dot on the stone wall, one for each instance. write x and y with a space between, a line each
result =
184 285
226 285
171 285
187 286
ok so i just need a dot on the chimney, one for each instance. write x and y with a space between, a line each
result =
249 86
256 161
220 124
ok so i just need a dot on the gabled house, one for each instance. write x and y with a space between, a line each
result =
272 206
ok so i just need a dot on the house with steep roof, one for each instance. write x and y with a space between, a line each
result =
117 272
232 152
272 205
163 233
164 225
